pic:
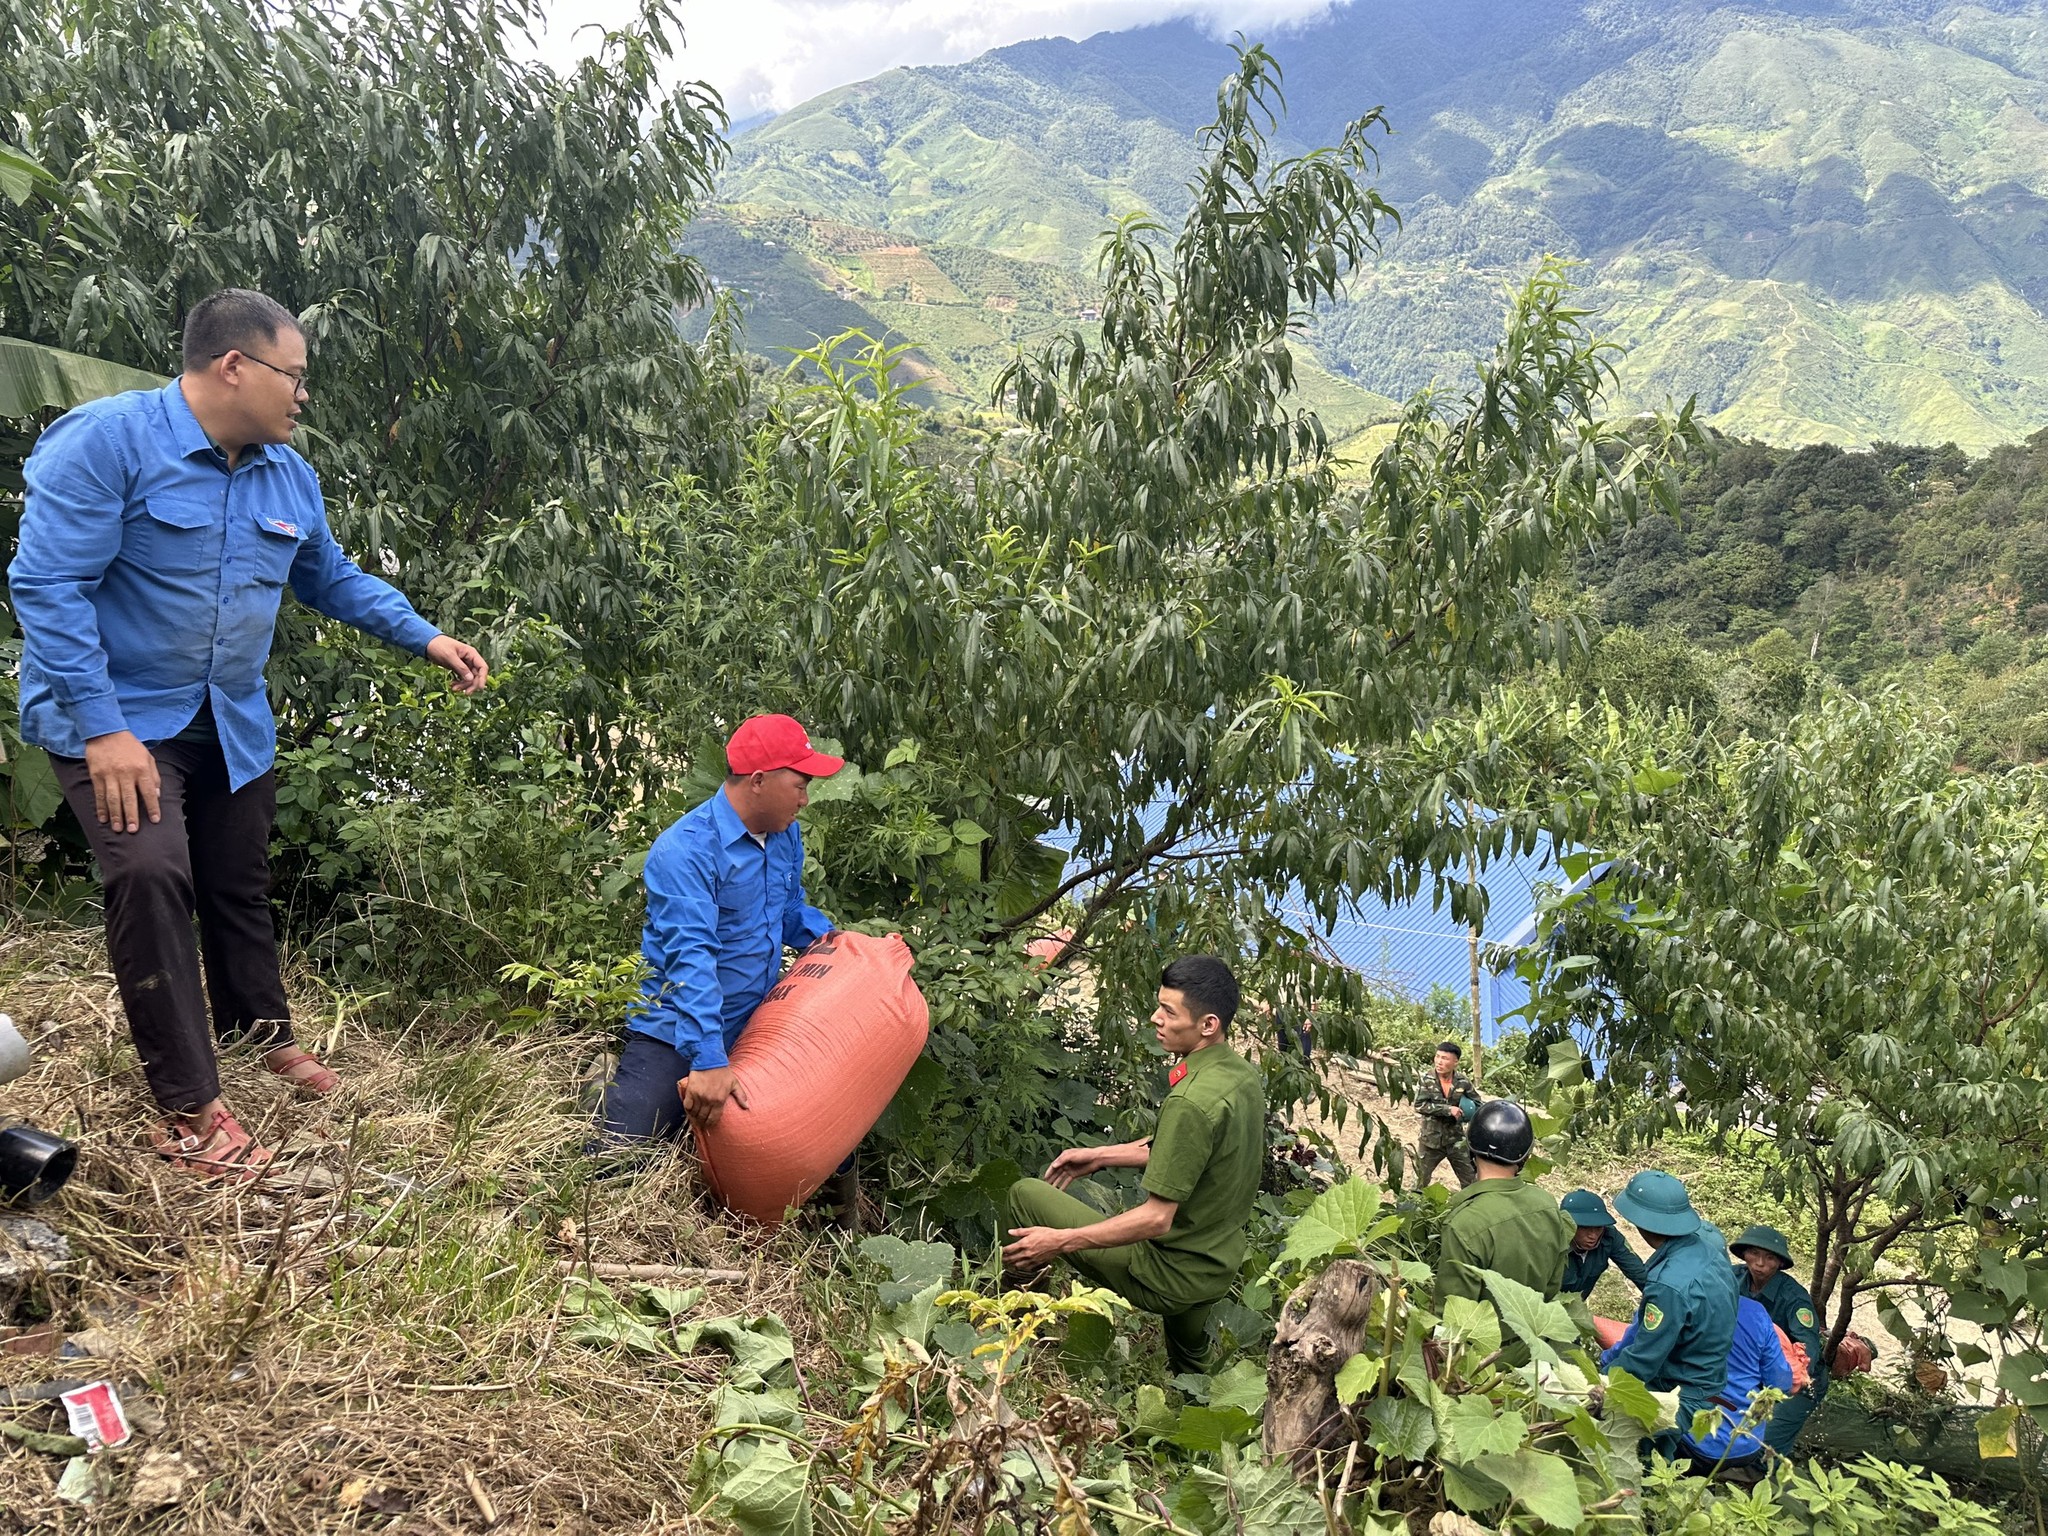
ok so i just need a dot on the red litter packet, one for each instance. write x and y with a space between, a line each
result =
96 1416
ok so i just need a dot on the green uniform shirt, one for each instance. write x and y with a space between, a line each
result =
1207 1155
1791 1307
1441 1125
1582 1271
1508 1226
1685 1324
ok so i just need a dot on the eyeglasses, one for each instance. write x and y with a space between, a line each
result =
299 385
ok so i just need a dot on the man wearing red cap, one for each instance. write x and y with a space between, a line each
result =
725 895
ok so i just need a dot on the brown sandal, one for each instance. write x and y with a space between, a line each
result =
222 1151
305 1072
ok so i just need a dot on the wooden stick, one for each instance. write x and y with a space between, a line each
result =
484 1506
365 1253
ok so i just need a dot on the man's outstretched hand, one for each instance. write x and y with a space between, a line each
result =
1074 1163
125 781
1033 1247
705 1092
464 661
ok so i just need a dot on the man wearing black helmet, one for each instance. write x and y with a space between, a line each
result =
1500 1221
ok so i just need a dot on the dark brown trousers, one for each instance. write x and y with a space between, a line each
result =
209 856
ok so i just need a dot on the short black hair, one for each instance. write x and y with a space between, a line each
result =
233 320
1453 1047
1207 984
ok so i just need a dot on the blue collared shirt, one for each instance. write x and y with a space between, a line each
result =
1755 1360
720 908
149 575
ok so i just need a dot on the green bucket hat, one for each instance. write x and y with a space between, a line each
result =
1656 1201
1770 1239
1587 1209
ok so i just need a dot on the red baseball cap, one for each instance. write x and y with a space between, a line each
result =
768 742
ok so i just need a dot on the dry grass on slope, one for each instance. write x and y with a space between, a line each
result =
307 1388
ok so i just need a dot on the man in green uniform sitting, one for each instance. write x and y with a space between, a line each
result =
1686 1322
1597 1244
1446 1100
1179 1252
1500 1221
1764 1273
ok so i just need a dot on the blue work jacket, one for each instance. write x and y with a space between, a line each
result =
1755 1360
1582 1271
1684 1324
149 575
720 908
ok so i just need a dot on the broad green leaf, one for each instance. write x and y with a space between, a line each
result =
37 378
912 1266
1471 1323
1203 1428
667 1301
1400 1427
1540 1483
969 832
1566 1066
2005 1276
760 1347
2019 1376
1998 1433
1471 1490
32 787
1243 1385
1470 1428
1356 1377
1337 1218
1626 1394
1154 1417
1651 780
771 1494
1525 1314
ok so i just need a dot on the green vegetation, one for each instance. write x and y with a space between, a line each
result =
1152 585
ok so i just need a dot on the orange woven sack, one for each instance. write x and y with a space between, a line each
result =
819 1061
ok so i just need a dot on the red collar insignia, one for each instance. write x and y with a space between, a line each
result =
1173 1078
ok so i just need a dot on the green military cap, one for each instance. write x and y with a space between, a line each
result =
1657 1202
1770 1239
1587 1209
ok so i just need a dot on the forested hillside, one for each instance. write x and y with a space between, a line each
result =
1824 221
1915 567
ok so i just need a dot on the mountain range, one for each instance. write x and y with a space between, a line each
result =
1825 220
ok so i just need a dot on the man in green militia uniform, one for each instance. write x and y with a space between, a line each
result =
1685 1325
1596 1245
1764 1273
1179 1252
1446 1100
1500 1221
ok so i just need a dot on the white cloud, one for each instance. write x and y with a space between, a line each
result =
768 55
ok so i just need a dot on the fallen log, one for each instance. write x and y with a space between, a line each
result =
1321 1327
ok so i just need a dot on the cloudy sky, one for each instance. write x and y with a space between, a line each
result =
768 55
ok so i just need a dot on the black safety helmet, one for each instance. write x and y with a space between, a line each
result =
1501 1133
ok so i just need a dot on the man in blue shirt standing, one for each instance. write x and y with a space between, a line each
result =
725 896
159 531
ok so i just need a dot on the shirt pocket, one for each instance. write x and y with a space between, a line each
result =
179 536
278 538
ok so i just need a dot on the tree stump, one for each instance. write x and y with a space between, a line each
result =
1322 1326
